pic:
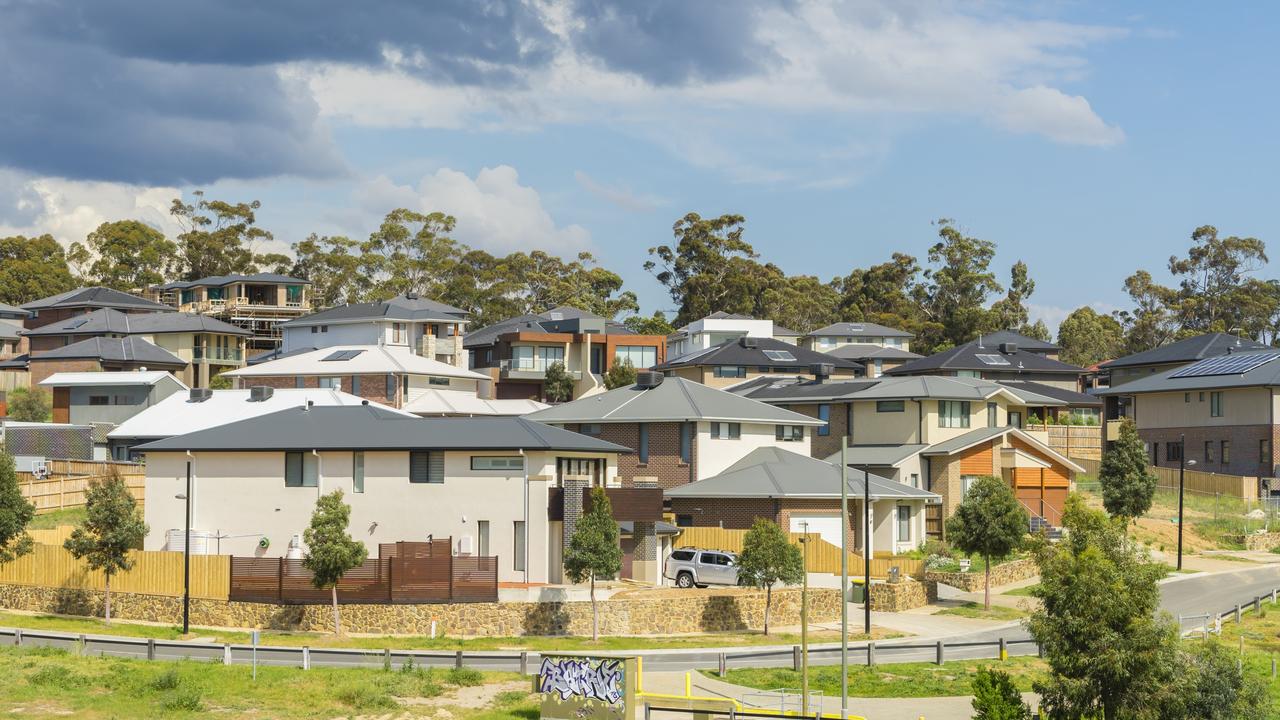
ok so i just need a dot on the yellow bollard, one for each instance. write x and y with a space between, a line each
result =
1004 655
688 684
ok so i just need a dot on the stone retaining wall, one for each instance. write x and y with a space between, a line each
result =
1003 574
662 612
1258 541
904 595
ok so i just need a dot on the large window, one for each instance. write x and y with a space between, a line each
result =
1225 445
331 383
536 358
293 294
357 472
726 430
789 433
1208 451
1215 404
904 523
301 470
966 482
824 414
953 414
497 462
993 415
1173 451
729 371
426 467
887 406
641 356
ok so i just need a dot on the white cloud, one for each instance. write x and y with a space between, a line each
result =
71 209
494 211
621 196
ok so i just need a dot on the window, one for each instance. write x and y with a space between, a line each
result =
710 558
686 443
589 428
848 419
726 431
99 400
496 462
1208 451
301 470
1201 396
355 384
397 333
314 329
643 449
1173 451
887 406
293 294
299 382
682 555
482 538
1015 419
915 480
391 387
993 415
904 523
953 414
729 371
1226 451
357 472
1186 397
969 374
426 467
824 414
517 551
683 521
878 367
641 356
1215 404
789 433
1264 451
966 482
331 383
443 381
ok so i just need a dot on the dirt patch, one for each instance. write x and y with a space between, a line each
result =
470 698
1158 532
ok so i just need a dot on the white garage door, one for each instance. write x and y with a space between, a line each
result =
826 526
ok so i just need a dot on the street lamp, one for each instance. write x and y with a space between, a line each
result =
804 622
866 551
1183 463
186 555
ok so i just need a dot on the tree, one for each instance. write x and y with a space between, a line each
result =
709 268
557 386
219 382
1011 311
988 522
1128 484
593 550
112 527
30 405
1213 289
15 512
333 265
886 294
1213 686
218 237
996 697
620 374
954 294
408 251
655 324
32 268
798 302
1087 338
768 557
1109 654
1149 324
128 255
331 551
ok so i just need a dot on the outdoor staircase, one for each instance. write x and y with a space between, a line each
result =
1038 524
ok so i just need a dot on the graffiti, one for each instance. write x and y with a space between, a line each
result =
582 678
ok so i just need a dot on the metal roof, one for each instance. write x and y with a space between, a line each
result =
99 379
372 427
674 400
1188 350
1022 341
967 357
110 320
95 297
544 322
973 437
1265 375
7 309
859 329
867 351
400 307
1070 397
125 349
732 352
770 472
434 401
360 360
879 455
912 387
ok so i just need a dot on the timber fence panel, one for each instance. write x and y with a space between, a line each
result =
1240 486
824 557
153 573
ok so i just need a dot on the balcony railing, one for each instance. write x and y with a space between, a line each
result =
531 368
217 354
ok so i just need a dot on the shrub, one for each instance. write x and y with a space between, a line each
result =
186 699
465 677
364 697
167 680
995 697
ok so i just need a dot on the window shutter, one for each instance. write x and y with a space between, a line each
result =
418 463
435 467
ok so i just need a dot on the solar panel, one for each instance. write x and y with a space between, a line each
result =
780 355
340 355
1227 365
992 359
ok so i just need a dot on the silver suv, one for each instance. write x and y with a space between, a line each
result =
691 567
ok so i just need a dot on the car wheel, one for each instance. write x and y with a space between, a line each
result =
684 580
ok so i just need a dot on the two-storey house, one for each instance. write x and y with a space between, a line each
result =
984 359
733 361
108 398
720 327
259 303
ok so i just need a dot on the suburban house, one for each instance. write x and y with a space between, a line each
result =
257 303
933 433
496 486
681 431
984 359
199 409
719 327
734 361
11 319
428 328
1220 411
83 398
802 494
84 300
207 345
842 334
516 353
103 354
1030 344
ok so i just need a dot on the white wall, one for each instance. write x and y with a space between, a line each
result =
884 525
714 455
338 334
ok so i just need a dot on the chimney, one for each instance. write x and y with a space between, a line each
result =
821 371
259 393
1008 348
199 394
647 379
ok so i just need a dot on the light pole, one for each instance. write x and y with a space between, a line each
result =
186 555
866 552
1183 462
844 577
804 623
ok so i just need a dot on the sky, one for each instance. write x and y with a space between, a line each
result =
1087 139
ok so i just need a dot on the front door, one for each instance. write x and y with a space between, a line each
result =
597 359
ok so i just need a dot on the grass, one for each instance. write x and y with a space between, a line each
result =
48 521
418 642
1261 633
976 611
906 680
1028 591
41 682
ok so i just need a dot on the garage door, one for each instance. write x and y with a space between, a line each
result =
826 526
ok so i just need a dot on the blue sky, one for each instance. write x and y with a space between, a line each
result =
1088 139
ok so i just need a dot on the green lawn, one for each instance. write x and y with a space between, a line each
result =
416 642
46 683
975 610
1261 633
1027 591
898 680
70 516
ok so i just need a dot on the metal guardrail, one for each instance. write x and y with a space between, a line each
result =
1233 613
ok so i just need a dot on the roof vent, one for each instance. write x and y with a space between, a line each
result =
411 295
748 342
259 393
364 402
199 394
648 379
821 371
1008 348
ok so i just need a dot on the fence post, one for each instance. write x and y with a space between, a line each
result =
871 654
723 665
1257 605
306 658
80 643
151 648
1237 613
1273 597
1004 650
795 658
524 662
386 658
226 653
457 660
280 581
941 652
17 636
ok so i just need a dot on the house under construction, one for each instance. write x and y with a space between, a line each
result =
257 303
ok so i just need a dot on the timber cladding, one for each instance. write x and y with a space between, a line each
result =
642 504
979 460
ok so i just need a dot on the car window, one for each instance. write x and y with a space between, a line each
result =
682 555
716 559
707 559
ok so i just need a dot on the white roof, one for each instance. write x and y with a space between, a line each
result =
455 402
178 415
72 379
363 359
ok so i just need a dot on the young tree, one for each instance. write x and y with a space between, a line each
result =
30 405
768 557
593 550
995 697
557 386
127 254
112 527
331 551
988 522
15 512
1128 484
621 374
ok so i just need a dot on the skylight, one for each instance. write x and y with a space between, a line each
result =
780 355
992 359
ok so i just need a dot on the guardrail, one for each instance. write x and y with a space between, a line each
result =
1233 613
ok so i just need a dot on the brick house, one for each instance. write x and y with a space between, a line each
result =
990 358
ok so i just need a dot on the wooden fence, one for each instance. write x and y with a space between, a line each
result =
823 556
68 479
153 573
1074 441
1241 486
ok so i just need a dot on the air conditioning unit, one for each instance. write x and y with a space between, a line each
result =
1008 348
822 371
748 342
466 545
200 394
259 393
648 379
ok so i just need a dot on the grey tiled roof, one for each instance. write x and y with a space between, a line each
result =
96 297
790 389
770 472
224 280
1265 375
1185 351
675 400
110 320
965 357
1026 343
1069 397
863 329
125 349
400 307
863 351
878 455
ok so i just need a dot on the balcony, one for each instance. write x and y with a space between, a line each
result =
530 369
218 355
629 503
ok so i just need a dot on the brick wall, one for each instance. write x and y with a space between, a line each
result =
824 446
664 453
1245 447
372 387
41 369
